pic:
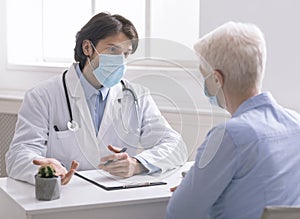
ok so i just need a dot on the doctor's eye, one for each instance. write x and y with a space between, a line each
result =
114 50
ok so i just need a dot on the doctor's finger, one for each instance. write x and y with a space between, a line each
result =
121 165
74 165
42 161
50 161
109 157
121 156
118 156
116 168
67 177
113 165
114 149
60 170
47 161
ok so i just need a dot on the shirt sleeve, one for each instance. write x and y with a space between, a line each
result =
213 170
151 168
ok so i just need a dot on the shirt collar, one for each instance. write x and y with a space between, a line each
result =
88 88
264 98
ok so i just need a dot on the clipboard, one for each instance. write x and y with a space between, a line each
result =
119 187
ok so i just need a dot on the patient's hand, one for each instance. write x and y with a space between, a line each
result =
173 188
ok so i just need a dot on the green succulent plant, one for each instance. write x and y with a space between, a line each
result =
46 171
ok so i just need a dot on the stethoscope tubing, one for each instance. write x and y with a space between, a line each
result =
72 125
67 96
125 88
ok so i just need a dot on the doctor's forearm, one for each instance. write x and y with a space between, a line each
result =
20 167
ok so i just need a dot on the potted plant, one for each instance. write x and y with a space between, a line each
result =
47 185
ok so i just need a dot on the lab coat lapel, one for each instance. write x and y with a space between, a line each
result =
78 101
115 93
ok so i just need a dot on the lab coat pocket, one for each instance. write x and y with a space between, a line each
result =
64 134
64 146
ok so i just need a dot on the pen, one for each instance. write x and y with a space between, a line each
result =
135 185
143 184
110 161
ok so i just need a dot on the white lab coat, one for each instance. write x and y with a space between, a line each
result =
45 106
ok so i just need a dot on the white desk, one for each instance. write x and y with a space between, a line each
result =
83 200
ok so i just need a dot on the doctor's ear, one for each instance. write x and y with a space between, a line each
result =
87 48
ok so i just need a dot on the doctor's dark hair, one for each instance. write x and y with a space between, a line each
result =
99 27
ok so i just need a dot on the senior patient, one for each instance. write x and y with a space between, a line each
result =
251 160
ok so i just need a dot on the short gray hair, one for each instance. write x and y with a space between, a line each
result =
238 50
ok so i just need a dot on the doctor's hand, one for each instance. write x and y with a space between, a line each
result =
123 165
60 170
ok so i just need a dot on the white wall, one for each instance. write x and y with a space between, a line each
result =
2 38
279 20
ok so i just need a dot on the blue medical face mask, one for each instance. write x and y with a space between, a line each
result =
212 98
111 69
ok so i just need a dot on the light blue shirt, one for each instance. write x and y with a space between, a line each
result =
251 161
91 95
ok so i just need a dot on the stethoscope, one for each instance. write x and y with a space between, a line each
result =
73 125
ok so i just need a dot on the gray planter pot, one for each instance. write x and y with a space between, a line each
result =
47 189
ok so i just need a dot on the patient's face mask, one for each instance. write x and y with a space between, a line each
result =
212 98
111 69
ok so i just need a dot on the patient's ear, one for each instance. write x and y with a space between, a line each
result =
219 77
87 48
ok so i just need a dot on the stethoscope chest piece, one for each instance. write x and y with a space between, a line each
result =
72 126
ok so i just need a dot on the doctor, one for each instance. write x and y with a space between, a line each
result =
81 119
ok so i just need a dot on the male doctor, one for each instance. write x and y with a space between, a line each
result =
81 120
